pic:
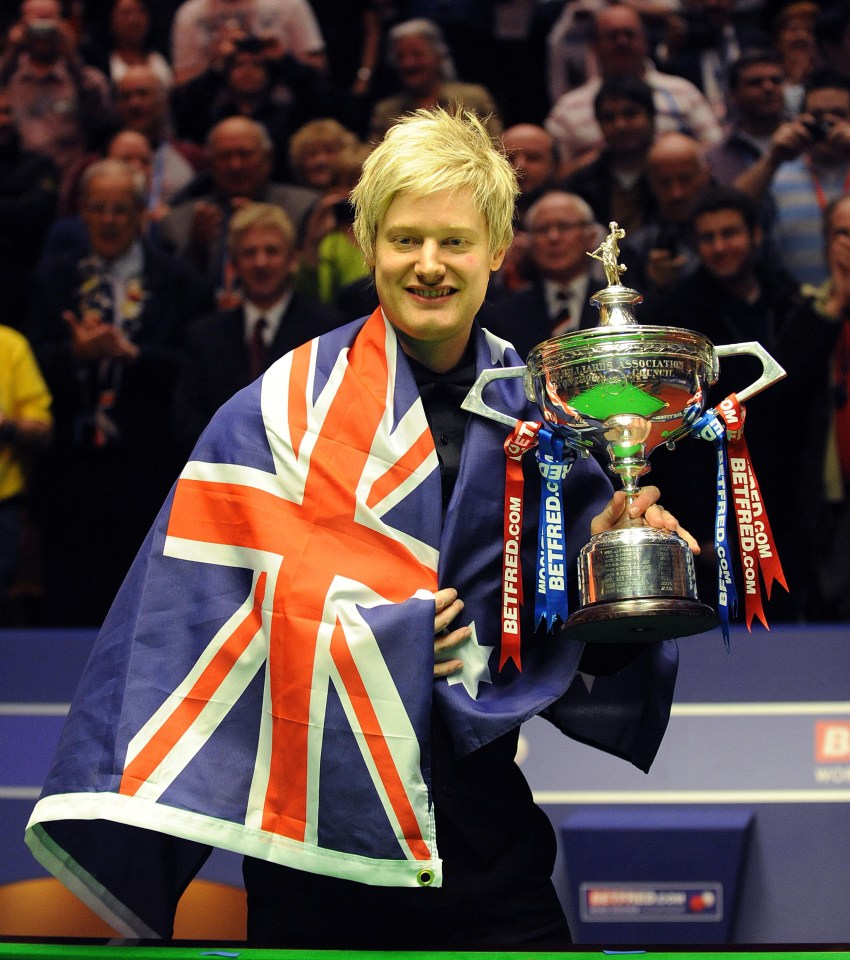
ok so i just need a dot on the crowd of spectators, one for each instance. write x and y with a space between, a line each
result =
174 216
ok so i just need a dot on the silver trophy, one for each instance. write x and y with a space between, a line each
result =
619 390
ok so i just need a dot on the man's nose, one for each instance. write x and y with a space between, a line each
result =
429 263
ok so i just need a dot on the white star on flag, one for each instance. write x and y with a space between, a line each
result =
475 668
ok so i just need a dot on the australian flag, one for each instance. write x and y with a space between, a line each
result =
263 682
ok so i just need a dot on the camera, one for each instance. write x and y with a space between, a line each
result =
819 128
42 29
343 211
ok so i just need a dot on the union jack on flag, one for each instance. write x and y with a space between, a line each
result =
263 682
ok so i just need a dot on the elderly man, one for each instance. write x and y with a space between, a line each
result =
621 49
532 153
241 157
228 349
107 329
337 541
562 229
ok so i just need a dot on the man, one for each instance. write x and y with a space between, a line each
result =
333 507
562 229
661 252
621 49
532 153
142 103
829 585
28 191
421 59
107 329
226 350
615 184
806 167
62 106
757 95
204 31
241 157
734 297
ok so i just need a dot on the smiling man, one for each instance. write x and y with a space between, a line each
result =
331 566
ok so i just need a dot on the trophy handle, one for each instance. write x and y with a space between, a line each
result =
474 402
771 371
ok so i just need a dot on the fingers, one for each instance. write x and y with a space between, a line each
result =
448 606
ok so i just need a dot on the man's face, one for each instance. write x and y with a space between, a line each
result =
677 180
828 104
130 21
240 166
432 265
319 163
561 235
43 19
627 127
141 104
620 42
247 75
759 91
135 150
531 152
725 244
112 216
264 262
417 63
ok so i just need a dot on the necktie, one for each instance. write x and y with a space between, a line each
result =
258 348
562 320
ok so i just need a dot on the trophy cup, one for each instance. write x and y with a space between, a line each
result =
619 390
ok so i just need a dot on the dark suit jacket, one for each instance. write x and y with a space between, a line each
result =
217 361
522 317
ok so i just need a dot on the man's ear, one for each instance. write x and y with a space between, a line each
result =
497 258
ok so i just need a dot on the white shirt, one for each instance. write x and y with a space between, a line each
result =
273 317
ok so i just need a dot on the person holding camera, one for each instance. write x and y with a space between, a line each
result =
62 106
806 167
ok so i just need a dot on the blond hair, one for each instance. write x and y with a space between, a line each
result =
259 215
323 130
431 150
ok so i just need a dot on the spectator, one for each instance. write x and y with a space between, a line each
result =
715 34
794 41
620 45
62 106
331 258
661 253
831 586
732 297
532 152
806 167
562 230
142 103
281 93
69 233
424 67
227 350
205 31
757 94
615 184
107 330
315 151
28 192
241 160
129 43
25 424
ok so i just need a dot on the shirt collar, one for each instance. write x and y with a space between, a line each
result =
273 316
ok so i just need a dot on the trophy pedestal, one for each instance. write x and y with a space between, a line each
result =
638 584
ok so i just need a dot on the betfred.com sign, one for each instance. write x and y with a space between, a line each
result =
832 741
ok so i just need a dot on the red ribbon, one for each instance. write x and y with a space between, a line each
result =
522 439
755 538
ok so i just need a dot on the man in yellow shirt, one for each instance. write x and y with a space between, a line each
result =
25 424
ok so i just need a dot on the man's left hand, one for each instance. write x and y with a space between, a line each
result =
646 505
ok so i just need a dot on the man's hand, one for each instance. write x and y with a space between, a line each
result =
664 268
615 515
93 340
448 606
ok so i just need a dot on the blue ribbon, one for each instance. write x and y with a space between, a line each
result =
554 464
711 427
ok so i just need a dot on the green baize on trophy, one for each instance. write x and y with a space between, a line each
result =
600 402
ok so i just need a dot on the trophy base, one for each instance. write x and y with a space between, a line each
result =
641 620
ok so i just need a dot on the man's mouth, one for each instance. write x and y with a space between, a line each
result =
432 293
